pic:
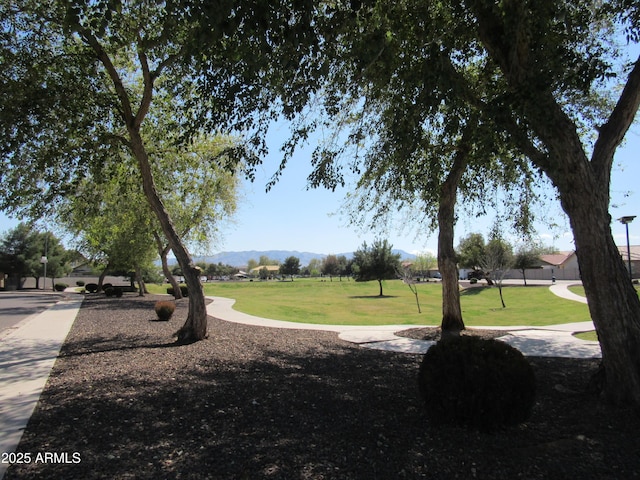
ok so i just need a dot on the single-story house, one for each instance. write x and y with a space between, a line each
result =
634 251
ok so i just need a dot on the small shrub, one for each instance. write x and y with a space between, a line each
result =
105 286
183 290
476 382
80 283
60 287
91 287
164 309
113 292
473 280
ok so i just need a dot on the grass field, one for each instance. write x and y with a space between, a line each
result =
357 303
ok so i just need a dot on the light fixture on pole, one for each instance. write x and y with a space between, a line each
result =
626 221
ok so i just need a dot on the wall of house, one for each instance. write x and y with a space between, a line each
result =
546 274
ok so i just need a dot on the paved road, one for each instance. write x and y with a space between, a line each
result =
15 307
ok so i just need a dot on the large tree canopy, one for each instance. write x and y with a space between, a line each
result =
525 79
80 80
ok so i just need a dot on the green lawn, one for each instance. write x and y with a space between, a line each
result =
357 303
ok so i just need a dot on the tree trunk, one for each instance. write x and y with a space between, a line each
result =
141 286
583 186
500 292
195 327
101 278
380 283
163 251
613 302
452 323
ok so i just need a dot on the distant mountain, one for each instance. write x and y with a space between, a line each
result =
241 259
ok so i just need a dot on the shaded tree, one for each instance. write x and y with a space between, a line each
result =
69 97
543 86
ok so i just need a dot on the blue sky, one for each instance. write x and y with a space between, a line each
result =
290 217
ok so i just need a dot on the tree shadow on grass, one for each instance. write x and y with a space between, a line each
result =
372 297
473 291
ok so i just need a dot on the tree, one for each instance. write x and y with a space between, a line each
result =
57 258
80 83
471 251
377 262
497 259
110 220
544 72
19 253
291 267
16 250
422 156
344 267
557 60
315 267
407 278
424 262
22 250
526 258
265 260
330 266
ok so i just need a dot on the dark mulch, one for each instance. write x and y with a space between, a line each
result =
434 333
259 403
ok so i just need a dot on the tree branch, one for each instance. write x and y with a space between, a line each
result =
121 92
611 133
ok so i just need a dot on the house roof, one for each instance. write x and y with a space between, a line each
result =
557 259
270 268
633 249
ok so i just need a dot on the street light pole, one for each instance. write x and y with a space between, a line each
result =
44 262
626 221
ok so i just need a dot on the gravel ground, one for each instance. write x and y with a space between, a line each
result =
257 403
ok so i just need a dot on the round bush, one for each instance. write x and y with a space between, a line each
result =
476 382
183 290
60 287
164 310
91 287
80 283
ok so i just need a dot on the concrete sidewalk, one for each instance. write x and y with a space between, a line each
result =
27 355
